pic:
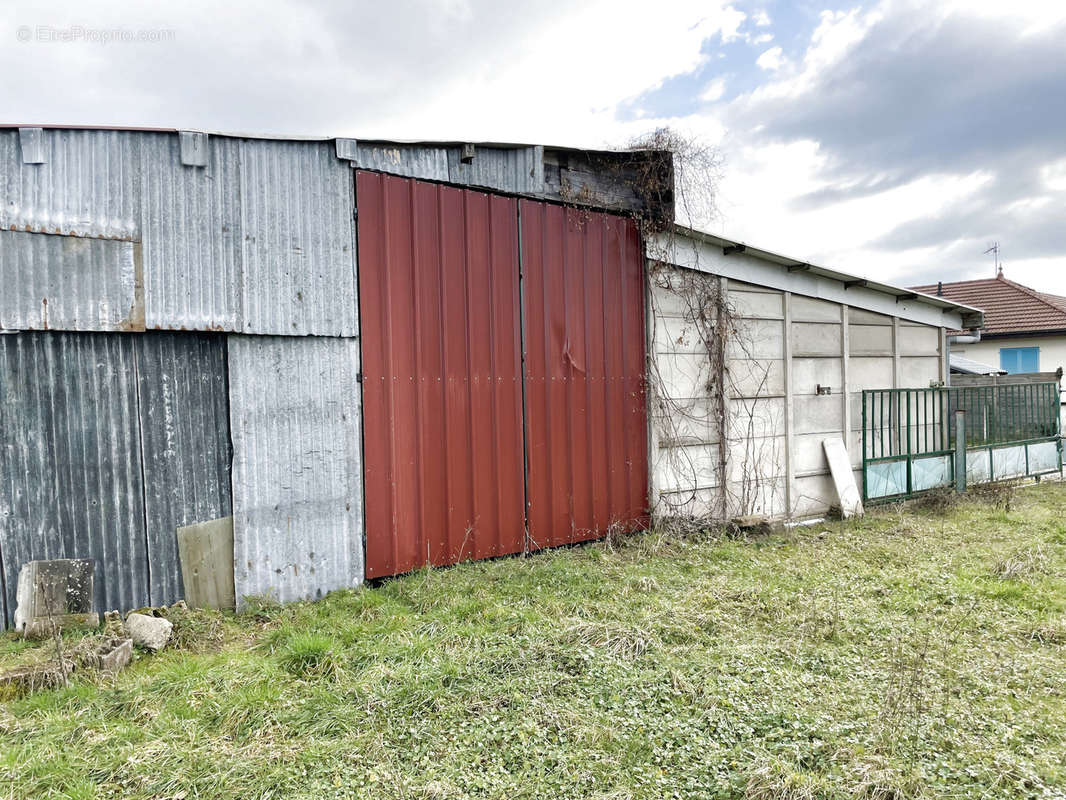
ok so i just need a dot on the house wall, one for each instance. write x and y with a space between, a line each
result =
778 346
1052 350
1052 355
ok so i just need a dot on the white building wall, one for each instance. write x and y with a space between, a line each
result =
781 346
1052 350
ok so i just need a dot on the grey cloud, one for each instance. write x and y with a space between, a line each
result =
917 98
281 67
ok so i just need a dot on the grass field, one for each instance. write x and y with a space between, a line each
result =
912 654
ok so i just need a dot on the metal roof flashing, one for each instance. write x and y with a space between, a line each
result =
744 262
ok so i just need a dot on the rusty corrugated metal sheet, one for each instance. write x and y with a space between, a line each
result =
297 511
70 479
259 240
586 424
69 283
442 373
88 185
414 161
108 442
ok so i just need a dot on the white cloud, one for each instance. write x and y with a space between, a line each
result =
762 38
714 91
1054 175
761 19
771 60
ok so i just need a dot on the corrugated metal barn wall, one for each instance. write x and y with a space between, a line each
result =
295 414
125 230
109 443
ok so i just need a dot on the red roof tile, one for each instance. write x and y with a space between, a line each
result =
1009 307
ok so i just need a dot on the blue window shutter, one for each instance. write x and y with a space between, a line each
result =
1008 359
1030 359
1019 359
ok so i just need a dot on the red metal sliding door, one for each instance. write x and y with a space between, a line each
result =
442 379
586 419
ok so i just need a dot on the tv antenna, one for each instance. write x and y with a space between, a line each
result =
994 250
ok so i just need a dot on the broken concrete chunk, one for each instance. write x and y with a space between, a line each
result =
111 656
54 594
150 632
113 626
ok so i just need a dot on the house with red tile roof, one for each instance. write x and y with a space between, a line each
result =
1025 329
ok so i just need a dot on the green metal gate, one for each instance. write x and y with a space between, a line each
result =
909 436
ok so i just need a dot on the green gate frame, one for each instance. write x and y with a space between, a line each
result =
903 426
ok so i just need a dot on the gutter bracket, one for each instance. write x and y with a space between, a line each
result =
31 141
193 148
348 150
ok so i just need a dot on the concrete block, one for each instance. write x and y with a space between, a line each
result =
916 372
810 309
870 339
757 338
756 377
54 593
818 414
757 305
919 341
111 656
808 373
816 339
858 316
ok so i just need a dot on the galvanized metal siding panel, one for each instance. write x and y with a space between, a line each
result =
260 240
70 460
413 161
295 417
192 236
184 420
442 374
514 170
69 283
88 185
586 420
298 239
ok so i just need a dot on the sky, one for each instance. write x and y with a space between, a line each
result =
893 140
